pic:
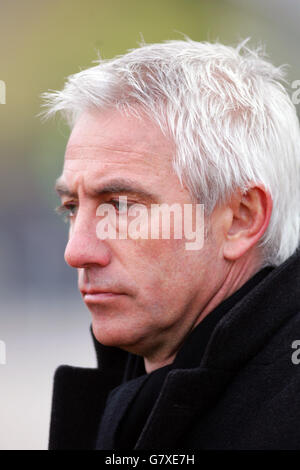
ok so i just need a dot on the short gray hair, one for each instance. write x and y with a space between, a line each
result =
226 110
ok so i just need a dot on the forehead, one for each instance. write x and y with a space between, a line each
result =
111 137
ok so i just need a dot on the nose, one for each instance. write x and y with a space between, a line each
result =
84 248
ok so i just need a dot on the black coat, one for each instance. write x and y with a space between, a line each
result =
245 393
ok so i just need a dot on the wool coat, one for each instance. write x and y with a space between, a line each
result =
244 394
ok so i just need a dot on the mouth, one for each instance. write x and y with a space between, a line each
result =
96 297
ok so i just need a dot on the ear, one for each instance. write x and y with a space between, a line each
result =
247 217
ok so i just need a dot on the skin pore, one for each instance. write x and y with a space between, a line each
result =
159 291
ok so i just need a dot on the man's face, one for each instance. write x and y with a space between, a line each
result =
155 288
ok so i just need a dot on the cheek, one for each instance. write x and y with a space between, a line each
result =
179 273
159 258
163 269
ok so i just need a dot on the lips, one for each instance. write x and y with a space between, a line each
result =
97 296
98 291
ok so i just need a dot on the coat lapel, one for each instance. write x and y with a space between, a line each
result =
186 395
116 406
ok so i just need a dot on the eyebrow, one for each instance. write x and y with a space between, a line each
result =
118 185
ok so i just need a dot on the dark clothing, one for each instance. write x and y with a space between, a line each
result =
240 391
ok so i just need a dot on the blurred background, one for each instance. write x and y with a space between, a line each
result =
43 320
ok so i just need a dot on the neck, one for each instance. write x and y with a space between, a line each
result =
151 365
238 274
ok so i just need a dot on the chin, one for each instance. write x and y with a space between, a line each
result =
108 335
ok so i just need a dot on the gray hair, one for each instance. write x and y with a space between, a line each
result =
225 108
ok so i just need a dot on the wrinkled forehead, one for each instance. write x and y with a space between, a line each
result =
116 130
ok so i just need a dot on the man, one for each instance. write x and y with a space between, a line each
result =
194 346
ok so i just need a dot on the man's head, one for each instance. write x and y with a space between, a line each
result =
181 122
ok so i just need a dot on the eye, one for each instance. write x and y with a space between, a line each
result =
67 210
120 206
